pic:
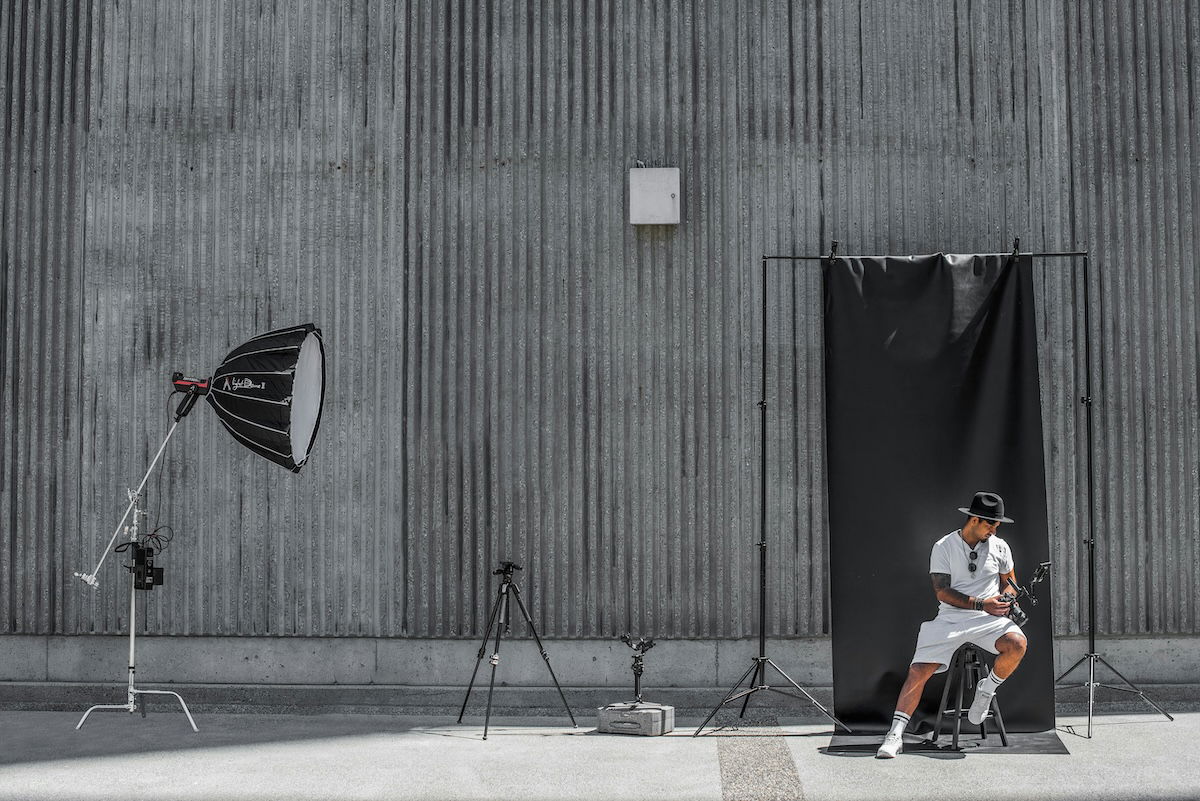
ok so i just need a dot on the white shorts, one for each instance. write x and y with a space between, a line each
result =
946 633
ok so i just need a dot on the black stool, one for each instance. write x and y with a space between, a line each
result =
966 666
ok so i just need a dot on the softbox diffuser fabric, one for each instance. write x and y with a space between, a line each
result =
268 393
932 394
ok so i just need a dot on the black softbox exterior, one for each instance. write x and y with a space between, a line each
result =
932 394
268 393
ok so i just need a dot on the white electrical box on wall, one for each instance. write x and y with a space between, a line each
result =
654 196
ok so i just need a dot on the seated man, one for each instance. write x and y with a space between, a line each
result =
968 567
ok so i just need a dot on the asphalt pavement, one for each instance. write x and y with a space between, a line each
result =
339 756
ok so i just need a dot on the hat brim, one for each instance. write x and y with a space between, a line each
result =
969 513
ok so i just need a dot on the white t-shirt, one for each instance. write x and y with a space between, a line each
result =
951 555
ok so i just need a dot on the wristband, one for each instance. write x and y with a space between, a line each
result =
978 604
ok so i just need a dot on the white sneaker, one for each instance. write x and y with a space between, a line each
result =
892 745
979 707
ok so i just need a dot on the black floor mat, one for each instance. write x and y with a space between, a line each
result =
1023 743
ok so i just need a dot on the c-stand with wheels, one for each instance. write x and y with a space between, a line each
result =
500 614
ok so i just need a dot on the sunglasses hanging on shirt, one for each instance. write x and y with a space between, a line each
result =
971 565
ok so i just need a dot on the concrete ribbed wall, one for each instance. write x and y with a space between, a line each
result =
514 370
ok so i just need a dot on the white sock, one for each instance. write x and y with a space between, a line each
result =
989 684
899 724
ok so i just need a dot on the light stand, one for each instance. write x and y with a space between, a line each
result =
1092 656
267 393
757 672
499 618
134 508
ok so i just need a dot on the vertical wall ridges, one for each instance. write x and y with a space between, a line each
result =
516 372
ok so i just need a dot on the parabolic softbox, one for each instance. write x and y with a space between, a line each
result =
268 393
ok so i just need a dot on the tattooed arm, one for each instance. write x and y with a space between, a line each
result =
941 588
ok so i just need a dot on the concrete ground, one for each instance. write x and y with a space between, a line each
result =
340 756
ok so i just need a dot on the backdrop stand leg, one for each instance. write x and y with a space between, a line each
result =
757 681
812 700
731 695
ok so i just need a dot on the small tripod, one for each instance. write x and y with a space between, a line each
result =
132 692
500 614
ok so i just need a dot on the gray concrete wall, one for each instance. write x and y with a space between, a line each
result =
439 662
516 372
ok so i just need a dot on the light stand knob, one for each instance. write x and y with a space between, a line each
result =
88 578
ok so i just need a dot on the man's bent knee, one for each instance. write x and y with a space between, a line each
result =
1012 643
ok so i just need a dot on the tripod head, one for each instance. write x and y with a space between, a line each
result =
506 569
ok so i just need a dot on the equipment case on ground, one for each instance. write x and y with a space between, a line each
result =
636 718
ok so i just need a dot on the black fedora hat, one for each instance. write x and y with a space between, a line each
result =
986 506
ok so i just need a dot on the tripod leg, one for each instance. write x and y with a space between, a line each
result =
1091 690
759 680
545 658
728 696
482 649
1071 669
814 701
502 605
1133 688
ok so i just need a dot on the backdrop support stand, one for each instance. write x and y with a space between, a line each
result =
757 672
1092 656
758 667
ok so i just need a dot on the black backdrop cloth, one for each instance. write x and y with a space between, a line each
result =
931 395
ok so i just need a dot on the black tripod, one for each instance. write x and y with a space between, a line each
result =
757 672
1091 657
500 614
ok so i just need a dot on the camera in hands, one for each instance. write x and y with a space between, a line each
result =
1016 592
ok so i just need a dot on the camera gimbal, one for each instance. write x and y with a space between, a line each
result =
640 647
1015 612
